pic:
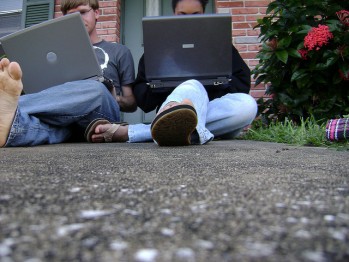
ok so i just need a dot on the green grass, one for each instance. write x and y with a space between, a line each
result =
307 133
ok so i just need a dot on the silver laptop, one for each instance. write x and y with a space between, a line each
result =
178 48
52 53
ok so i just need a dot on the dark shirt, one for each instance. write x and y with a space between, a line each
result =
148 100
116 62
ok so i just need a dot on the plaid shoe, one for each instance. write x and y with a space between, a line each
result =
337 129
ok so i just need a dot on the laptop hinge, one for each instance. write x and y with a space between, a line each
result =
220 81
156 84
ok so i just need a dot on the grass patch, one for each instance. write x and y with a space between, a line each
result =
307 133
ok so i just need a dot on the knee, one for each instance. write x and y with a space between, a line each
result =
193 84
95 89
191 89
250 106
247 106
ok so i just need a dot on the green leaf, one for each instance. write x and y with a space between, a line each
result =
293 52
271 7
303 32
300 45
320 79
323 66
306 27
344 67
284 42
260 21
260 79
282 55
333 25
305 83
264 55
298 75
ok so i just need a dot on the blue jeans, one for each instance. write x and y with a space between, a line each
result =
224 117
46 117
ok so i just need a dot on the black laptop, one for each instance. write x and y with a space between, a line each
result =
178 48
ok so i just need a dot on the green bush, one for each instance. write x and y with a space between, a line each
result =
304 59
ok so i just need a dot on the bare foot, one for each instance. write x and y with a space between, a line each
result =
120 135
10 89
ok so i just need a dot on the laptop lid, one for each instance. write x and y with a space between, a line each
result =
178 48
52 53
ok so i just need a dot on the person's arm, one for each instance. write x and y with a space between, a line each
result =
146 99
125 69
126 99
241 75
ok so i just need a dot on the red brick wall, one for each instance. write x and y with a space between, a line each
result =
244 15
108 26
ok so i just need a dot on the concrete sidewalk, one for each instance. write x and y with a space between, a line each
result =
226 201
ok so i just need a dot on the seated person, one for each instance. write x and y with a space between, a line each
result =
189 114
53 115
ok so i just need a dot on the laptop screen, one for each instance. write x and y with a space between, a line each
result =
178 48
52 53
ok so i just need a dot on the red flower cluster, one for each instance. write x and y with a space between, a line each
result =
343 16
304 53
317 37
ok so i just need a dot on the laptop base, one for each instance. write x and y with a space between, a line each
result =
172 84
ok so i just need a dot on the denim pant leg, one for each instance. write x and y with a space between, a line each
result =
190 89
229 114
45 117
138 133
196 92
28 130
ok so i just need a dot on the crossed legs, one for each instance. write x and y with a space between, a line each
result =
103 128
184 111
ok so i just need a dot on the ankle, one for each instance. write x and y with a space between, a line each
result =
121 135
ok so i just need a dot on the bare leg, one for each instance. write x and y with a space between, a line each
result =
10 89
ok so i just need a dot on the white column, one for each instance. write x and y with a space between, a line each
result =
152 7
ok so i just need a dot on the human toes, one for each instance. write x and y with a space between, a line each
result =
15 71
100 129
4 63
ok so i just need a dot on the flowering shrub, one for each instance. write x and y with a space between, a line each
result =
304 58
317 37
